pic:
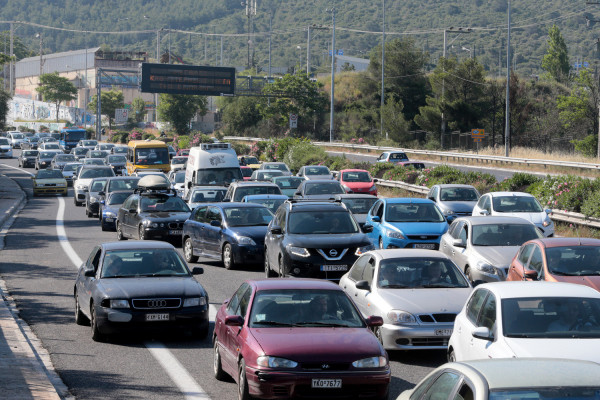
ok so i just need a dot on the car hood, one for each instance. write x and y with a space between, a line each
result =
425 301
536 218
591 281
113 208
85 182
499 256
318 344
315 177
5 146
117 164
579 349
150 287
420 228
329 240
358 185
288 192
46 159
458 206
166 216
256 233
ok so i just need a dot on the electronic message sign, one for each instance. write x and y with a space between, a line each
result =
187 79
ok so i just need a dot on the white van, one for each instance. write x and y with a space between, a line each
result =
212 164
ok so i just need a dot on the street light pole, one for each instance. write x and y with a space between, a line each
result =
308 52
382 70
331 111
507 125
11 64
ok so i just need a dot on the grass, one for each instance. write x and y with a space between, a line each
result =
572 230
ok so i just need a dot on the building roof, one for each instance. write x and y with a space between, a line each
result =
56 62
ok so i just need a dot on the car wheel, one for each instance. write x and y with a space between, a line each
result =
96 335
268 272
141 233
451 356
227 256
243 392
188 251
220 375
381 243
80 318
120 235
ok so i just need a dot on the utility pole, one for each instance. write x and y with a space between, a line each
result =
270 29
383 69
308 52
11 64
85 89
507 125
331 111
221 62
169 44
39 35
158 31
250 12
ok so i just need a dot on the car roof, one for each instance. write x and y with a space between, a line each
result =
398 200
317 205
491 220
135 245
407 253
265 196
195 188
286 283
566 241
453 185
355 196
253 183
539 289
234 204
274 162
498 194
122 178
320 181
353 170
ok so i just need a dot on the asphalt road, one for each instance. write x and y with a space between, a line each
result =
40 274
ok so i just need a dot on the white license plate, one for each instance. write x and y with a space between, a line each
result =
430 246
109 219
176 232
443 332
331 268
157 317
327 383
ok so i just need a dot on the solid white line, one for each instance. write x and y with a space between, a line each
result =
62 234
18 169
212 312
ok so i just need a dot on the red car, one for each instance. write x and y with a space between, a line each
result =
183 152
357 181
298 338
246 172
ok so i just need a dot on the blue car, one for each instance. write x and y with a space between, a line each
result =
271 201
406 223
231 232
109 208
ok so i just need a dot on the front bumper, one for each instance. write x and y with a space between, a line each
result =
407 243
315 266
50 190
109 223
164 233
93 207
79 195
44 164
6 154
416 337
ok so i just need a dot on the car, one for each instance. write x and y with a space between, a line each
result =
508 379
483 247
48 139
27 158
120 183
118 162
249 161
313 239
30 143
148 171
69 171
318 189
288 184
49 181
79 152
59 160
105 147
418 293
237 190
300 338
109 208
265 175
183 152
96 154
6 150
279 166
411 164
271 201
92 196
359 204
565 259
94 161
528 319
315 172
152 212
233 233
84 177
406 223
205 194
87 144
246 172
392 157
119 149
15 138
357 181
177 179
172 152
139 286
454 200
178 162
44 159
516 204
49 146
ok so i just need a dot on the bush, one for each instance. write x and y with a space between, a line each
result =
183 142
591 205
304 153
240 148
519 182
378 169
400 173
565 192
588 146
147 136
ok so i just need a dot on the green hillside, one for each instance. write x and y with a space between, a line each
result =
423 19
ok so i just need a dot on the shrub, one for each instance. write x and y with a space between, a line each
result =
566 192
304 153
378 169
588 146
519 182
240 148
147 136
183 142
591 205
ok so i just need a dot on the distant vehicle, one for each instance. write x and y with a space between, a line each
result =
454 200
265 175
97 154
105 147
79 153
49 146
49 181
92 196
118 162
5 148
315 172
177 179
279 166
15 138
392 156
27 157
237 190
59 160
178 162
87 144
86 174
205 194
249 161
411 164
30 143
119 149
172 152
182 153
357 181
70 137
212 164
94 161
147 154
288 184
359 204
246 172
44 158
318 189
69 171
109 208
271 201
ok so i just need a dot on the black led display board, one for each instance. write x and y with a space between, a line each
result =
187 79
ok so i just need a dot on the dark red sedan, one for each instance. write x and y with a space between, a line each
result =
298 338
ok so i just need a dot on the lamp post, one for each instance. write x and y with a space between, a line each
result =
469 50
382 69
39 35
507 122
331 110
299 48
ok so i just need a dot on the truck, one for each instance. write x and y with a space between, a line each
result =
212 164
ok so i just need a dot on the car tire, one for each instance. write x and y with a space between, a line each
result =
451 356
243 392
120 235
141 233
96 335
80 318
227 256
381 243
188 251
268 271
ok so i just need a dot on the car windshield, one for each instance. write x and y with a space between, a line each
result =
70 167
280 308
398 156
332 187
80 151
279 166
89 143
30 153
254 189
179 160
118 198
119 150
3 142
122 184
152 156
51 146
458 194
356 176
179 177
247 216
316 171
413 212
291 182
18 136
94 161
267 176
116 159
208 195
330 222
503 234
271 204
546 393
551 317
106 146
218 176
359 205
49 174
515 204
97 186
91 173
143 263
573 260
65 157
47 154
163 203
402 273
247 172
96 154
251 160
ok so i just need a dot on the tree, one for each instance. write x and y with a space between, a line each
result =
394 123
556 60
4 98
138 107
19 49
240 113
179 109
110 100
55 89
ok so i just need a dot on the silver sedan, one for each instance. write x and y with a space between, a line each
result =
417 292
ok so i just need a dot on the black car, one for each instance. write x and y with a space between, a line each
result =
139 286
231 232
59 160
27 158
79 152
118 163
92 196
313 239
237 190
44 159
319 189
120 183
150 214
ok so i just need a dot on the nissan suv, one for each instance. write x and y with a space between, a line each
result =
313 239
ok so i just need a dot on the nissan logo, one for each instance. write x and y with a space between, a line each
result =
333 252
325 366
157 303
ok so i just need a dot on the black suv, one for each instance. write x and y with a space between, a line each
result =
313 239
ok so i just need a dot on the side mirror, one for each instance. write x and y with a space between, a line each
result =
375 218
548 211
484 213
431 198
132 211
363 285
530 274
89 272
458 243
102 202
367 228
197 271
234 320
101 193
375 180
276 231
374 320
483 333
216 223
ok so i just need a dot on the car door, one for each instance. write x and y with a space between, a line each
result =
130 223
446 240
460 255
229 333
375 211
517 267
536 263
88 282
197 225
465 323
348 282
482 348
272 241
361 297
212 234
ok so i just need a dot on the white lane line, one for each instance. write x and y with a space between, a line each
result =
18 169
212 312
178 374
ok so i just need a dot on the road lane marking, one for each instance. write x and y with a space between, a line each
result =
61 233
18 169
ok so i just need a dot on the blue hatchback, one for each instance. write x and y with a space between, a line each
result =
406 223
109 208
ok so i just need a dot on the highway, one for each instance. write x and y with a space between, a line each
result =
48 240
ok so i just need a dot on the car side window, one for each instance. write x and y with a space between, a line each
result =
375 207
134 203
464 393
213 214
434 193
96 260
94 255
369 271
126 204
525 253
419 390
474 305
487 204
356 272
454 229
234 302
244 300
464 233
229 193
200 214
536 262
380 211
442 387
487 317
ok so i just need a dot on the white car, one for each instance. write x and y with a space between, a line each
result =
5 148
315 172
278 166
516 204
15 138
85 176
178 162
528 319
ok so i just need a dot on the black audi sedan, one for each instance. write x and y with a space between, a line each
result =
139 286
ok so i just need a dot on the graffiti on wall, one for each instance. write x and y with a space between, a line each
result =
32 110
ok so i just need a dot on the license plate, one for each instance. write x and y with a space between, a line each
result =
176 232
331 268
443 332
327 383
157 317
430 246
109 219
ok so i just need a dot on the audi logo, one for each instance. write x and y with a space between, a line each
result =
333 252
157 303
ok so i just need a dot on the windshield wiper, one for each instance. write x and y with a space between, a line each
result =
157 275
396 286
563 273
272 323
438 285
333 324
518 335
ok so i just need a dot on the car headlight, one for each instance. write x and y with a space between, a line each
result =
370 362
448 212
346 188
485 267
81 187
44 163
275 362
400 317
109 214
364 249
93 199
119 304
395 234
299 251
547 222
194 302
246 240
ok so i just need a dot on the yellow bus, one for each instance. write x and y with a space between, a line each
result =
147 154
